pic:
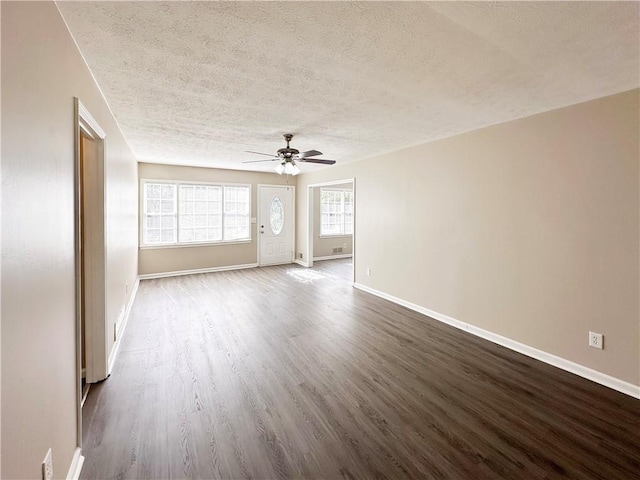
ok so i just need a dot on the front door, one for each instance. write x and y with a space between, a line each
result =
275 226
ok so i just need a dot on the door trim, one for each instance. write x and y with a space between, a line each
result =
293 226
85 124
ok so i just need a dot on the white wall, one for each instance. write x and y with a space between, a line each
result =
42 71
528 229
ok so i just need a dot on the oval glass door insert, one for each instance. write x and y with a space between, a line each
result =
276 216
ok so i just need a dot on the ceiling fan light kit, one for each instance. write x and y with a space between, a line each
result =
290 168
289 156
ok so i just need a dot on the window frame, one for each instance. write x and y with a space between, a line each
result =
343 191
178 243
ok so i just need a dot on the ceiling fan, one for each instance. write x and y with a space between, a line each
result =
287 158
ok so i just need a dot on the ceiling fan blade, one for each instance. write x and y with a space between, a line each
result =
256 161
317 160
260 153
309 153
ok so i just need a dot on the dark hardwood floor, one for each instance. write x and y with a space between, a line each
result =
284 372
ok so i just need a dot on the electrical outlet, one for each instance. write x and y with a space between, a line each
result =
368 272
47 466
596 340
300 255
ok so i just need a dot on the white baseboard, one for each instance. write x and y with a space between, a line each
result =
301 262
122 327
562 363
76 465
333 257
197 270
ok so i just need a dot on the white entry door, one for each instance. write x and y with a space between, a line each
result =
275 226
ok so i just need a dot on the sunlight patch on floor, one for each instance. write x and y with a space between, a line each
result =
305 276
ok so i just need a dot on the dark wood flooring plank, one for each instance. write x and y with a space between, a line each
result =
285 372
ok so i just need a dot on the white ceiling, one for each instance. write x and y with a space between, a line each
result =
198 83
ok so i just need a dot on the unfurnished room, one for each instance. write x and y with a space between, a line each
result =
320 240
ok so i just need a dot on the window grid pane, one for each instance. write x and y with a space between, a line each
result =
195 213
159 222
348 212
237 221
332 212
200 211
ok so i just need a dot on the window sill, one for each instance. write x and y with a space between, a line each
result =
339 235
191 245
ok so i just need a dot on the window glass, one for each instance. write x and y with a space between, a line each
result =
200 212
336 212
237 221
174 213
276 216
159 214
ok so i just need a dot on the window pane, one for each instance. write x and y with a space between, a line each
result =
152 190
237 221
153 221
348 224
186 234
159 216
153 236
215 233
199 207
167 236
168 192
348 210
201 234
186 222
331 208
168 206
186 192
153 206
168 222
201 220
336 212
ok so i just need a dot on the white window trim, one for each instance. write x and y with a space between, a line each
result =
177 183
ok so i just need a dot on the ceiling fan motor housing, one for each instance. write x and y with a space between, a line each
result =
288 152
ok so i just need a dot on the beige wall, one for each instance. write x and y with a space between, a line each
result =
41 73
529 229
323 246
164 260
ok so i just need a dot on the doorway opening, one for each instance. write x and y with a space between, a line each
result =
90 254
331 215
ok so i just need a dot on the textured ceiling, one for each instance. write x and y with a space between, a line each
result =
198 83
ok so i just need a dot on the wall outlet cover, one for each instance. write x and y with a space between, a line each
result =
596 340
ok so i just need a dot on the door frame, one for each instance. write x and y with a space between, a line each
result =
293 216
310 220
95 325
